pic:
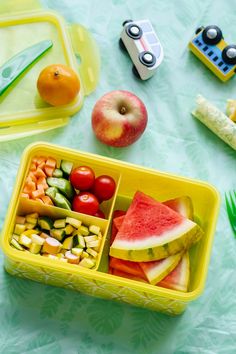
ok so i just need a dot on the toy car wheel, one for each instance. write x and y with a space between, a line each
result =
199 29
229 54
135 72
147 58
134 31
212 35
126 21
122 46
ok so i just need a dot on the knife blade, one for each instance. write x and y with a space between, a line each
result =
16 65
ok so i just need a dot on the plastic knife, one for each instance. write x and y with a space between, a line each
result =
15 66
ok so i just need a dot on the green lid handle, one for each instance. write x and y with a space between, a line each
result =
86 48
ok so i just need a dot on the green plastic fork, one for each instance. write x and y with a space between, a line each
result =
230 200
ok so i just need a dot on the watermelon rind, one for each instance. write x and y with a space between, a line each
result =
157 270
178 281
179 239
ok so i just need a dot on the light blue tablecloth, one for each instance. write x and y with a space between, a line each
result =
41 319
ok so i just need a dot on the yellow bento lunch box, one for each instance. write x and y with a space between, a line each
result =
129 178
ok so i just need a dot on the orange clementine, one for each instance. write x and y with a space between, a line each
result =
58 84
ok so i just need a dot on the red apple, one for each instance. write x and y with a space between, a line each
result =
119 118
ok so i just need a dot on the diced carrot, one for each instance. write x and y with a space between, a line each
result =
42 182
41 159
25 195
51 162
34 159
41 165
33 167
39 173
49 171
28 179
47 200
37 194
29 187
40 187
39 200
32 176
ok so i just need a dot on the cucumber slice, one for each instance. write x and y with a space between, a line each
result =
25 241
68 243
84 230
90 238
69 229
45 223
92 252
63 185
37 239
19 228
16 237
57 173
81 242
35 248
74 222
59 223
30 220
66 167
29 226
32 215
61 202
51 192
58 199
84 254
77 251
59 234
92 244
15 244
87 263
94 229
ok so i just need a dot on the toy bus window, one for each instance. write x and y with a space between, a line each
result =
146 27
156 50
151 38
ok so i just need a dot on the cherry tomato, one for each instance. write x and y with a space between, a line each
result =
85 203
104 187
82 178
100 214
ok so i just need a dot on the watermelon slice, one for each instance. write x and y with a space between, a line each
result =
152 231
178 279
122 274
182 205
155 271
114 229
118 221
127 267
